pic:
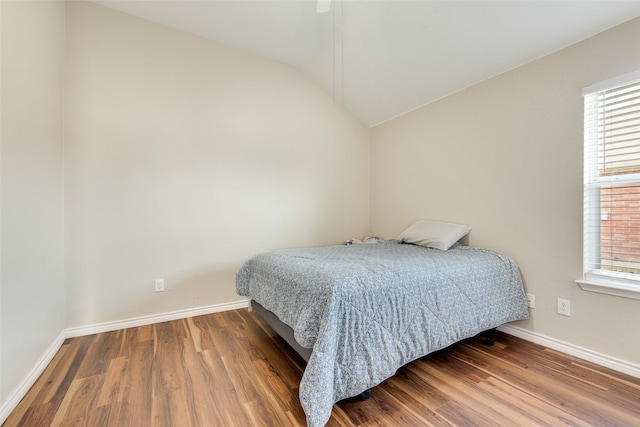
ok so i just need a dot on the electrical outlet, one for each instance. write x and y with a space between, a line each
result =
564 307
159 285
531 300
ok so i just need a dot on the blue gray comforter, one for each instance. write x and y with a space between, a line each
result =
367 310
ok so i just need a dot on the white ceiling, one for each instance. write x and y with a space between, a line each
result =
387 57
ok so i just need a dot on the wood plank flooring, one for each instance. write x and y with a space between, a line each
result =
230 369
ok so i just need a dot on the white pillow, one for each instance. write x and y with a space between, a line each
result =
434 234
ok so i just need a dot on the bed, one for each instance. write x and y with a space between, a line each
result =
358 313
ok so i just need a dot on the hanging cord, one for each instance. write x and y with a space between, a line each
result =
338 45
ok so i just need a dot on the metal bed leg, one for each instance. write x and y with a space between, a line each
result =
365 395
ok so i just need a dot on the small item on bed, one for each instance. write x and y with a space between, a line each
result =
434 234
365 241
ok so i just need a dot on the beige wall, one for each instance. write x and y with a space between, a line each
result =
31 239
505 157
184 158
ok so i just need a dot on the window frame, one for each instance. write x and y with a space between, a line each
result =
600 280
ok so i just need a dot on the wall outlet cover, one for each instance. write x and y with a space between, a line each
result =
564 307
531 300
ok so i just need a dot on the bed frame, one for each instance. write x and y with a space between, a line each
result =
282 329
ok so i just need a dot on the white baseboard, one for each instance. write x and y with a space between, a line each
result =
23 387
153 318
574 350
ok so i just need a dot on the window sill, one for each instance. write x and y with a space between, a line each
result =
623 291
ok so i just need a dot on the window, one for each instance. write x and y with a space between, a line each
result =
612 187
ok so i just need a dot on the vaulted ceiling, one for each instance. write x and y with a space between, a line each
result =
383 58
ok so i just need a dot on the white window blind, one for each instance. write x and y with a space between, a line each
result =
612 182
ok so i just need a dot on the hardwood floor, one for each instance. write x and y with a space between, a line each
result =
230 369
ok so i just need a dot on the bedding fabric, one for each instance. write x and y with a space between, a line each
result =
367 310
